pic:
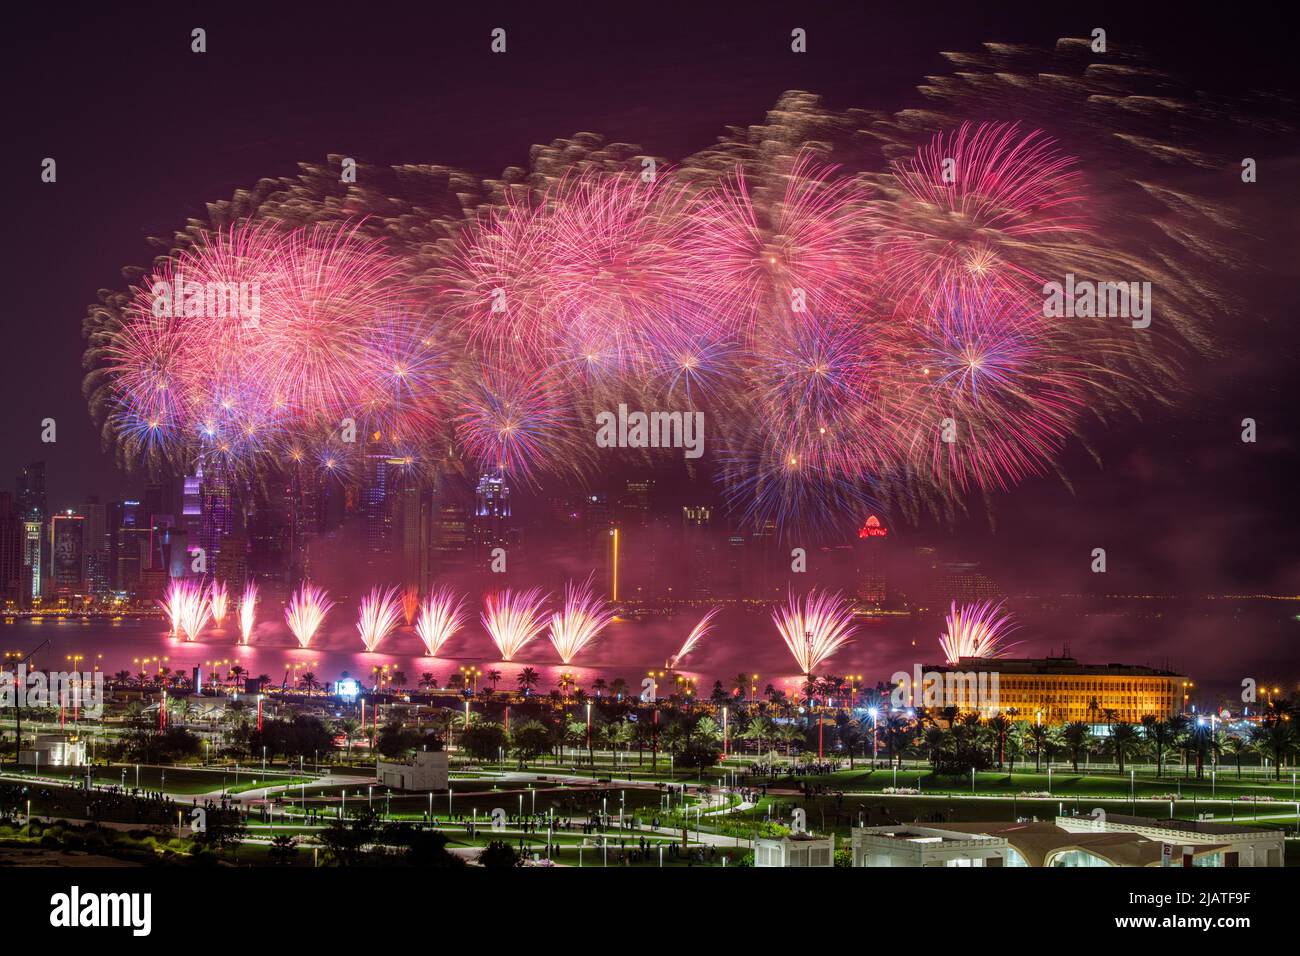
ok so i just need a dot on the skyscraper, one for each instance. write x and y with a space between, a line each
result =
15 591
492 525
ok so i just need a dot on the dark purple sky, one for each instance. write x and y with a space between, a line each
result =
145 132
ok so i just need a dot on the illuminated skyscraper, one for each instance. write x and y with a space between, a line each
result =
492 525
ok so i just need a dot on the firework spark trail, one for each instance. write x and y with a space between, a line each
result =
173 603
990 366
380 612
410 604
196 612
219 598
750 257
186 606
976 630
698 633
987 199
816 629
583 616
247 612
306 612
441 615
513 619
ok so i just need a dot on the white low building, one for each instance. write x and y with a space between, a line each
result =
1110 841
1209 843
915 845
54 750
797 849
427 770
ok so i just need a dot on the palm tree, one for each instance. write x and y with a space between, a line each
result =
1076 735
897 731
741 682
237 672
599 686
1275 739
1124 739
1000 726
428 681
308 682
618 687
527 680
493 677
1161 735
1237 747
349 727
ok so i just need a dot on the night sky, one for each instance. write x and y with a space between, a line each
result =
146 132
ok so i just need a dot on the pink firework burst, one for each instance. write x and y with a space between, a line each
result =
219 598
513 619
991 397
983 200
581 619
441 615
247 612
306 612
378 616
815 629
764 249
700 631
976 630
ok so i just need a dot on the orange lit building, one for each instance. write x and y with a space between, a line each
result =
1058 690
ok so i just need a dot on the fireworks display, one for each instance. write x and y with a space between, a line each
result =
440 616
513 619
410 604
187 607
976 630
247 612
859 335
815 629
380 612
219 599
173 604
306 612
698 633
583 616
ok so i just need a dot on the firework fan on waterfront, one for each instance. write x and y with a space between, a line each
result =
581 619
306 612
513 619
976 630
378 616
219 599
698 633
247 612
815 628
186 606
440 616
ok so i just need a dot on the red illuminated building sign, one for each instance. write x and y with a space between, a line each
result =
872 528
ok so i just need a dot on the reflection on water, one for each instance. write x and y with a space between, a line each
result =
748 644
1216 644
